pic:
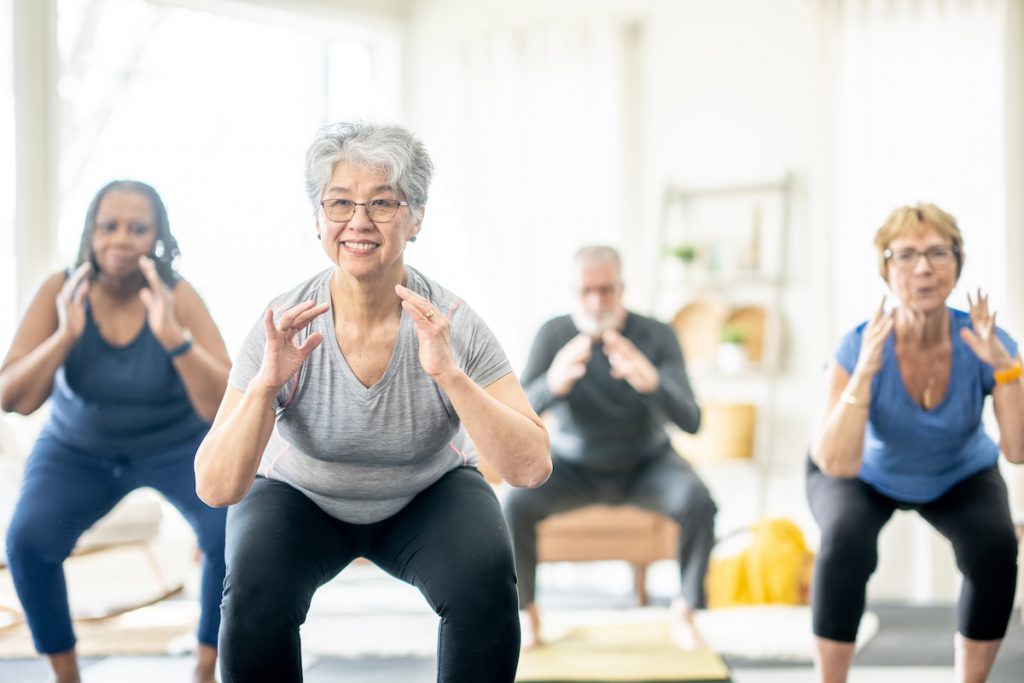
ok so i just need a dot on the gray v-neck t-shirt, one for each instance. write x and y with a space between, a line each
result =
362 453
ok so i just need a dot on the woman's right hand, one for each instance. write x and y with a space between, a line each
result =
281 357
872 342
71 303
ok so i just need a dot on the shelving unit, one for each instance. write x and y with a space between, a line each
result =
737 235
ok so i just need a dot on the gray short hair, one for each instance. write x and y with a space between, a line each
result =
596 254
390 148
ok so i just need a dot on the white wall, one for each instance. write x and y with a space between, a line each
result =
726 93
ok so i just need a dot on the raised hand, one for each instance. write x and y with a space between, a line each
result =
876 332
629 363
569 364
71 303
281 357
159 302
983 340
433 331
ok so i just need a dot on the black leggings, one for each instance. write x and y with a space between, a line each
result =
974 515
450 542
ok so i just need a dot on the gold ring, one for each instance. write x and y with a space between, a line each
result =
283 328
429 314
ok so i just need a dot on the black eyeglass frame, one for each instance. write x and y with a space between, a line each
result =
889 255
394 204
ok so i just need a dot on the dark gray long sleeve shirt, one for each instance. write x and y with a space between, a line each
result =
604 422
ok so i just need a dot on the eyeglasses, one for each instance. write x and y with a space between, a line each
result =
906 259
378 210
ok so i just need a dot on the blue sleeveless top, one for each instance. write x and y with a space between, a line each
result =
121 401
916 455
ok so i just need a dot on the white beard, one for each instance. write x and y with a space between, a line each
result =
594 325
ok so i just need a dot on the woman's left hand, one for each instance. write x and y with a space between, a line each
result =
983 339
159 301
433 331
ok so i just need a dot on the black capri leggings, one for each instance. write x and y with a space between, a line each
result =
974 515
450 542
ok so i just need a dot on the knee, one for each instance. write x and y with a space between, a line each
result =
846 547
30 542
211 536
697 509
485 587
989 555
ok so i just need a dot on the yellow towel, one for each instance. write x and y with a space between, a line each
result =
774 569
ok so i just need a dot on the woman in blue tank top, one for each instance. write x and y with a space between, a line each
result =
134 368
902 429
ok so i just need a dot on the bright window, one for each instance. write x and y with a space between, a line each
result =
216 113
7 281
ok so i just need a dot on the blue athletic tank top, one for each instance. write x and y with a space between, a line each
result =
120 400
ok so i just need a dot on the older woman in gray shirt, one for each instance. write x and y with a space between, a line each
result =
338 436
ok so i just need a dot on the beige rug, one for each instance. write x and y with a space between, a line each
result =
156 630
618 650
107 581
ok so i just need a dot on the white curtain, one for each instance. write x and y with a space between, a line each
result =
540 139
916 113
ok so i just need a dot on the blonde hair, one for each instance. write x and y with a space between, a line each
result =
907 220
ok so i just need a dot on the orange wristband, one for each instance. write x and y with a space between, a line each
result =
1007 376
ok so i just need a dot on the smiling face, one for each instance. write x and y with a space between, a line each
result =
923 287
125 229
359 246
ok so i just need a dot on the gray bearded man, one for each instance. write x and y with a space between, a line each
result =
610 379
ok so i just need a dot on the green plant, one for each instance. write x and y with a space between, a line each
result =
733 335
684 252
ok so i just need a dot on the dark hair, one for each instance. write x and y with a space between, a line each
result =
165 249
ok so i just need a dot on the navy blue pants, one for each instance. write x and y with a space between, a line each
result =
65 492
450 542
974 515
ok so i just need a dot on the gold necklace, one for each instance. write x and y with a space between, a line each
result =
926 399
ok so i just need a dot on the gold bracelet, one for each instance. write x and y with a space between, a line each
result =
1007 376
852 400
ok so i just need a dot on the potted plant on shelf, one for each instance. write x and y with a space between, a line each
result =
731 356
687 254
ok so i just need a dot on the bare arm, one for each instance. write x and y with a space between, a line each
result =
227 460
499 419
505 429
170 313
204 367
1008 397
839 443
1008 404
52 324
838 446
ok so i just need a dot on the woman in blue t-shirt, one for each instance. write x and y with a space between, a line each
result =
134 368
902 430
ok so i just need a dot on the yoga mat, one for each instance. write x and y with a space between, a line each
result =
614 652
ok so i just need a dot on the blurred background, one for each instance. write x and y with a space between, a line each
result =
740 153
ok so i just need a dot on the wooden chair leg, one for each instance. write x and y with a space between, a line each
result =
640 582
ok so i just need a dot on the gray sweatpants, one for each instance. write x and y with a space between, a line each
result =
665 484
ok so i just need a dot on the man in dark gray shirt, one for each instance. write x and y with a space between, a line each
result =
610 379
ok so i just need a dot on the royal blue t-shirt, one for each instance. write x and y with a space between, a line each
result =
915 455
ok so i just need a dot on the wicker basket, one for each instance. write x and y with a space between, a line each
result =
726 432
